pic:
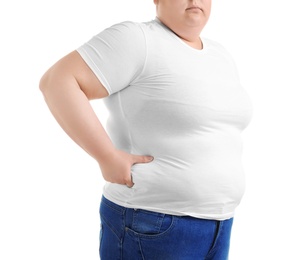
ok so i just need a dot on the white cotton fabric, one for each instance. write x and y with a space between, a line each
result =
186 107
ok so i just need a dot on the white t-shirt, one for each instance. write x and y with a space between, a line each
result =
183 106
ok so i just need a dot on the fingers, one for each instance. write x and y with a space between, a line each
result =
118 168
129 183
142 159
138 159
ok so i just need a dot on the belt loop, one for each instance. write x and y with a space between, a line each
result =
129 214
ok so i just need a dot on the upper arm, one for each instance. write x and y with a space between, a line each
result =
106 64
117 55
73 67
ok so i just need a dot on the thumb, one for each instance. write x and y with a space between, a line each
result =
142 159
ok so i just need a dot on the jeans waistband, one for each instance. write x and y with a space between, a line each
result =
114 206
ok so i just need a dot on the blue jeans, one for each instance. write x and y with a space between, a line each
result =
135 234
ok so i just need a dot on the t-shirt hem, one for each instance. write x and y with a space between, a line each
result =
88 60
209 216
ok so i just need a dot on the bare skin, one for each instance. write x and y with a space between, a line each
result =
69 85
186 18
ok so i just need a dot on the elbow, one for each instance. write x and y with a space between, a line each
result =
48 82
43 83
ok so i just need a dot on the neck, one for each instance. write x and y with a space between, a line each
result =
190 35
192 39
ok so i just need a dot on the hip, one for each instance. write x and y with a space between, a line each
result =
180 194
129 233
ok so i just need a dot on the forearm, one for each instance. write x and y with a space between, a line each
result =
72 110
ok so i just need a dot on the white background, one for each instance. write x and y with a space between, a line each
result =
50 189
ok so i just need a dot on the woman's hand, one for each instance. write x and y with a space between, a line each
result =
116 168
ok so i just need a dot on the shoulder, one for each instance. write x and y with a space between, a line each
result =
132 27
126 31
125 27
118 35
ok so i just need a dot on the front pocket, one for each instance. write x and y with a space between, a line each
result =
148 223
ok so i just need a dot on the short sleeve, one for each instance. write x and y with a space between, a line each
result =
116 55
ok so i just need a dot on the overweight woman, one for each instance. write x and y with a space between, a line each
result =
171 151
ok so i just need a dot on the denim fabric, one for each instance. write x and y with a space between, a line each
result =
135 234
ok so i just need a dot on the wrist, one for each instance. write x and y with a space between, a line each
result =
106 155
